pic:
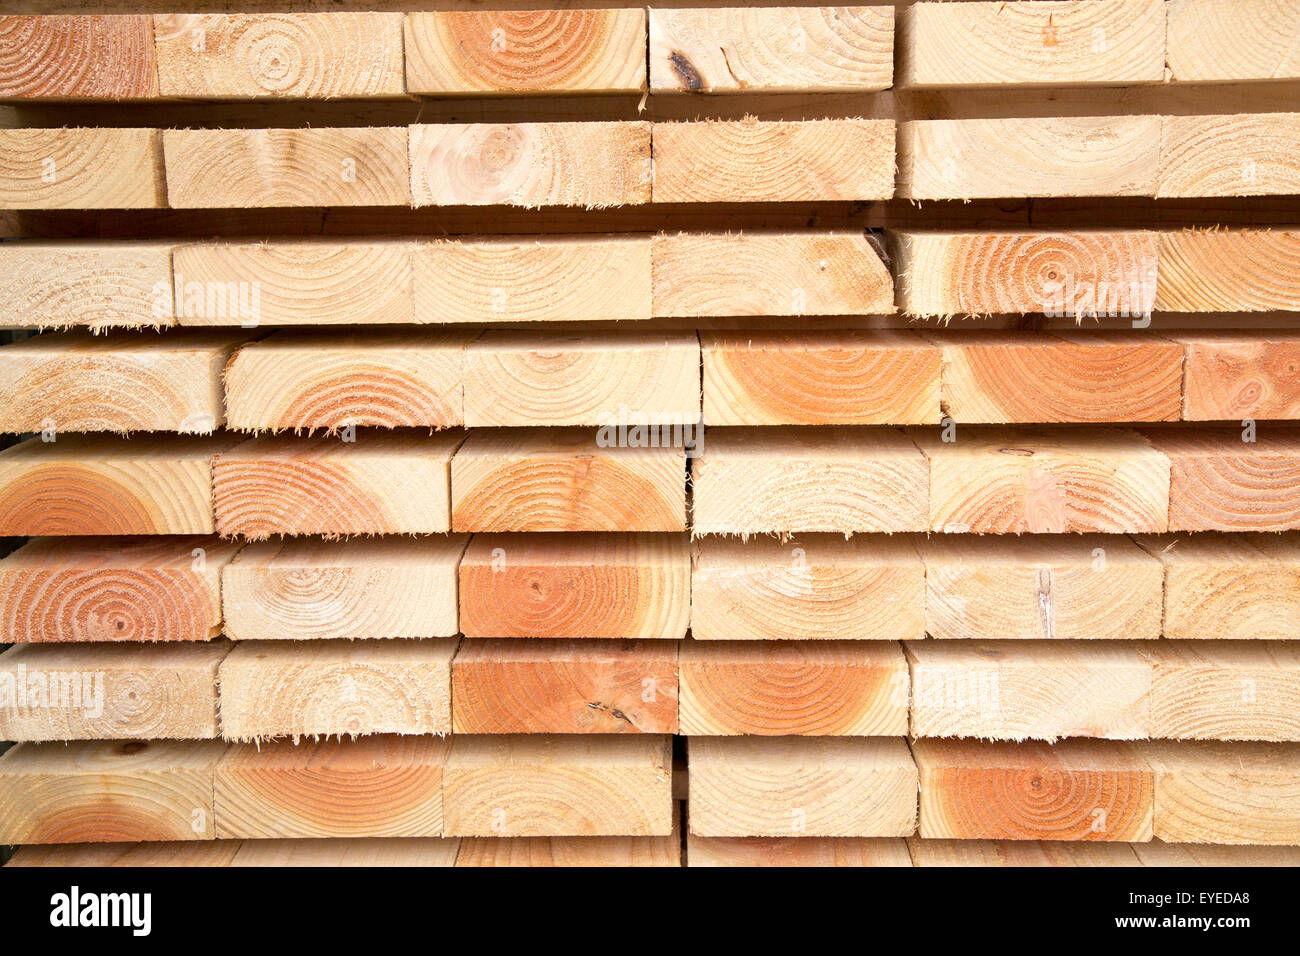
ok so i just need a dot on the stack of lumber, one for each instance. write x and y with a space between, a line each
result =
715 436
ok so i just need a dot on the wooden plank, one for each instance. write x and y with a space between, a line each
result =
813 587
294 282
1220 482
632 586
796 851
586 164
753 160
349 852
169 853
388 378
525 378
99 285
801 787
1226 41
1073 790
1006 377
533 279
1233 793
1080 274
998 480
1021 853
1229 587
772 50
826 378
770 273
526 51
570 480
1224 690
817 688
1022 43
322 688
1041 587
77 58
79 382
565 687
1236 376
108 791
380 786
1237 154
309 589
279 56
785 480
654 851
101 691
381 483
155 588
258 168
81 169
1040 690
1159 853
1226 270
101 485
1029 157
561 785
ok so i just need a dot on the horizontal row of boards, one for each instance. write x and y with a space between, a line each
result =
776 49
1069 275
981 479
196 381
599 164
621 785
988 690
655 587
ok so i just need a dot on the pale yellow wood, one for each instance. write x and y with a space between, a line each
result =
1237 154
1224 690
309 589
772 49
168 853
96 284
796 851
1223 41
1218 270
89 168
935 852
349 852
1159 853
581 851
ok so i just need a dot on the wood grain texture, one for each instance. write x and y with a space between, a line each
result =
985 853
1041 587
381 483
266 168
533 279
108 791
99 485
323 688
100 691
380 786
1224 690
1009 377
567 480
1224 41
585 164
77 58
773 689
779 50
168 853
526 51
786 480
387 378
81 169
349 852
796 851
1235 376
279 55
801 787
559 785
154 588
812 587
1218 482
1159 853
565 687
1063 274
656 851
1066 42
1073 790
999 480
770 273
1213 270
1029 158
100 285
632 586
78 382
523 378
309 589
294 282
1237 154
753 160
